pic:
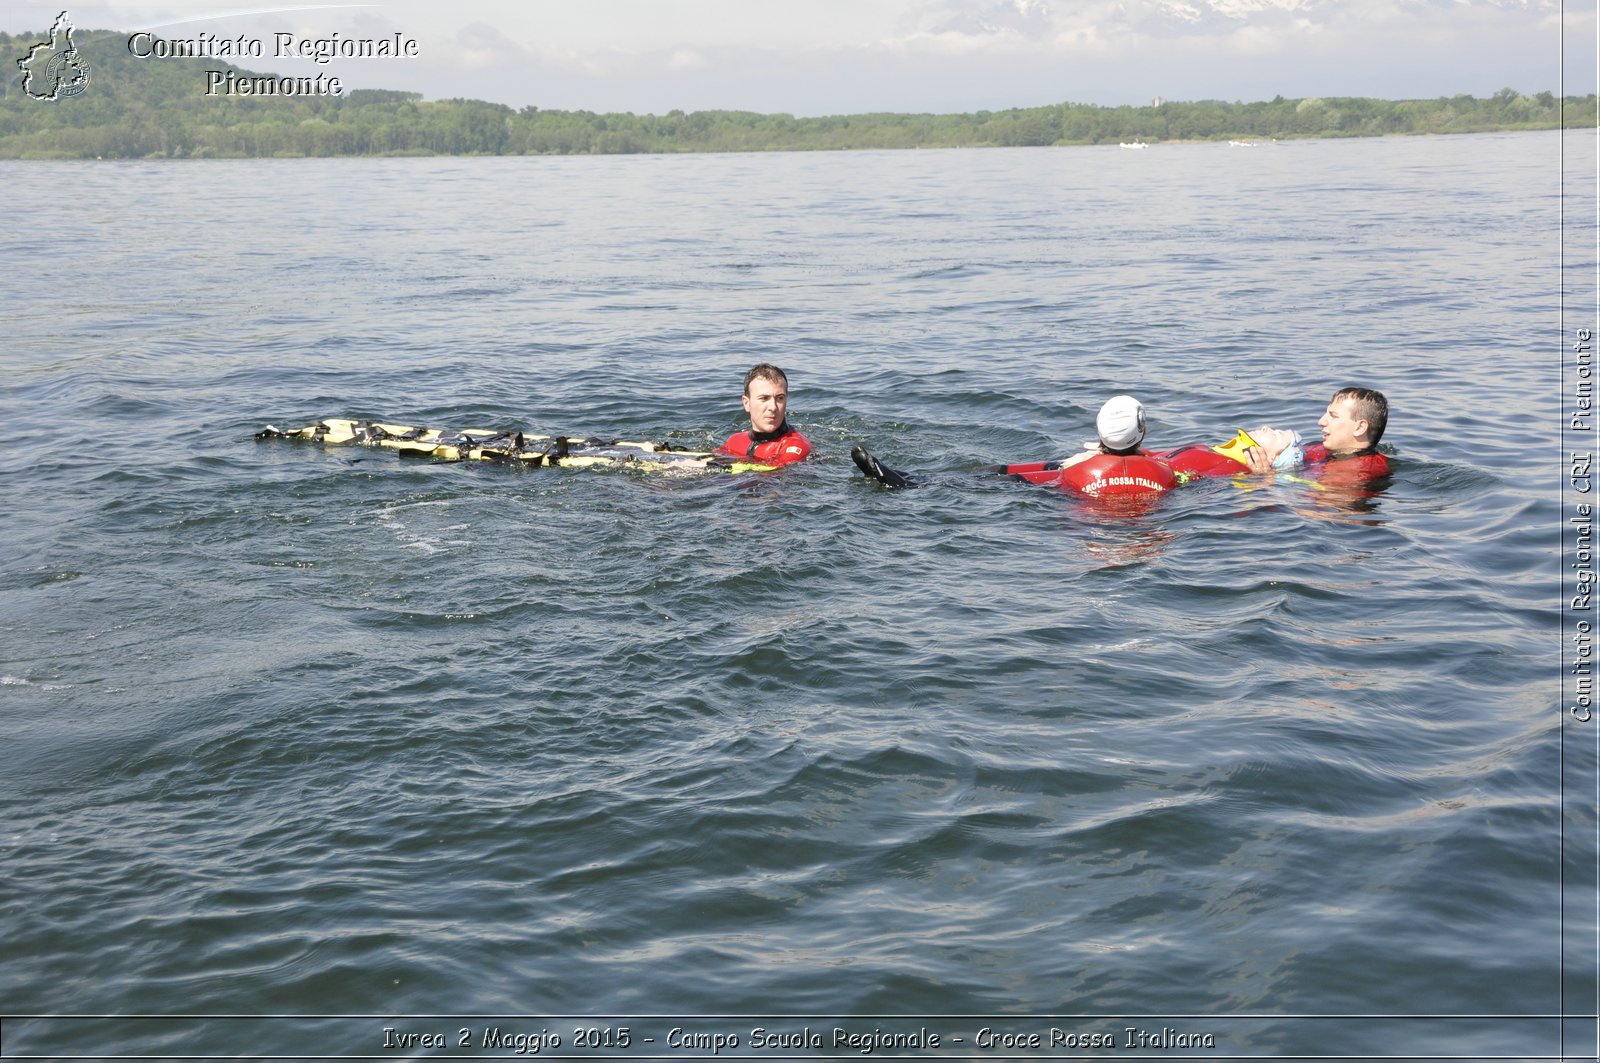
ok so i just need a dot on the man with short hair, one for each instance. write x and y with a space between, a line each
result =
1351 427
1354 422
770 440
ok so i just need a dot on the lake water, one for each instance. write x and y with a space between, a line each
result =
301 746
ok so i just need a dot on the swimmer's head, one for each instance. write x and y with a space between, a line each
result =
1281 445
1121 424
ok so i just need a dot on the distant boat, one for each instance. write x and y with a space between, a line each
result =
1241 144
1136 144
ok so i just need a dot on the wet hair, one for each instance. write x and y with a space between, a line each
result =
1371 407
764 371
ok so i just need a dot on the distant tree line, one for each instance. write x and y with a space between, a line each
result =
156 108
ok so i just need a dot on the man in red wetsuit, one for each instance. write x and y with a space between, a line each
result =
770 440
1348 454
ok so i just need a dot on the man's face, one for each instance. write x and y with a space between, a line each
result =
765 401
1340 426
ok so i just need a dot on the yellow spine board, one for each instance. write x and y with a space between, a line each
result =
487 444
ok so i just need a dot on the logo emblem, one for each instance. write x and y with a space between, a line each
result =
54 69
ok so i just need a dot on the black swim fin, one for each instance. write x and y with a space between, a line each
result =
877 470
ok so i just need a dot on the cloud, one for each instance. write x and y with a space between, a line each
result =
1092 26
685 59
1028 19
479 44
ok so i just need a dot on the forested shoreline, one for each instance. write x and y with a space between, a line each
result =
141 108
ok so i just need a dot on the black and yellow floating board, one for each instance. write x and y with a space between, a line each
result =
509 447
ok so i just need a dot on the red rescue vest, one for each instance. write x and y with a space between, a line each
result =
1118 475
1202 461
1333 470
785 448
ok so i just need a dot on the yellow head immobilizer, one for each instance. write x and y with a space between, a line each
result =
1235 447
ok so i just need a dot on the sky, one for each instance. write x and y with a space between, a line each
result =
816 57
